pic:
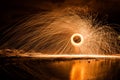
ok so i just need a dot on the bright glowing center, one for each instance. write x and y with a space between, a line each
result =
76 39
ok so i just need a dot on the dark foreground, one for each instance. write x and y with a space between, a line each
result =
16 68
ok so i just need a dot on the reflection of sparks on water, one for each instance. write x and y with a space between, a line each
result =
84 70
77 72
92 70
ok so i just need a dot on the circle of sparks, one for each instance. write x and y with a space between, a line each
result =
76 39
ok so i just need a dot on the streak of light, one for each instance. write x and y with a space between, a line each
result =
68 56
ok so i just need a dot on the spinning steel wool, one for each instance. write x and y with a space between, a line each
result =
62 32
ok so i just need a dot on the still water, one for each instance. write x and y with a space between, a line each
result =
36 69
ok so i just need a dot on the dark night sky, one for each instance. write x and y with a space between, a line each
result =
13 10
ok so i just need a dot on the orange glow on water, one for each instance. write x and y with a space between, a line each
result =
77 72
91 69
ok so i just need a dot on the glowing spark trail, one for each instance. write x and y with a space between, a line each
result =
62 32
